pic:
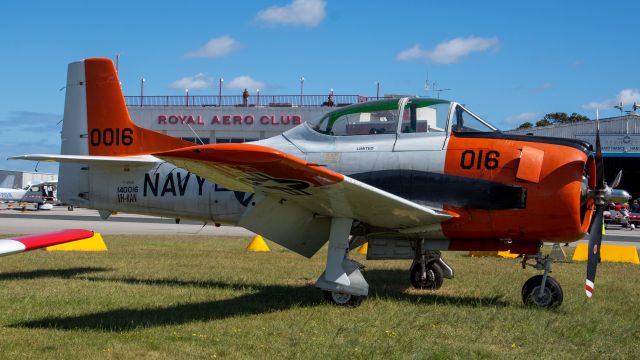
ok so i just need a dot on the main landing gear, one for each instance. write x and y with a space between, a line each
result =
342 282
429 270
541 290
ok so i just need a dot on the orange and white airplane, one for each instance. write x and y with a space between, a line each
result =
410 176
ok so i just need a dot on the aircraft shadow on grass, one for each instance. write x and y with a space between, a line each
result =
261 299
51 273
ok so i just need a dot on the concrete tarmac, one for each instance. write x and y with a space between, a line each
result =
31 221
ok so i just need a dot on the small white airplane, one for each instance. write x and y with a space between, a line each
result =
8 193
411 176
43 194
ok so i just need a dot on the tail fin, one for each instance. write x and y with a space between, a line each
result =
110 128
96 122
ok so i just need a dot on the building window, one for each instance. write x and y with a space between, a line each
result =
233 140
196 141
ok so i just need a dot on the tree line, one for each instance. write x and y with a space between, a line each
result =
555 119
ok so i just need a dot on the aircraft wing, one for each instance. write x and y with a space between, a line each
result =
323 192
31 242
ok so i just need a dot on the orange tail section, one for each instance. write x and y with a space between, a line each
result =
110 128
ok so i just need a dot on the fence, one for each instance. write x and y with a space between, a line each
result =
253 100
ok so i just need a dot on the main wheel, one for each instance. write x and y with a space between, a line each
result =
551 296
434 279
342 299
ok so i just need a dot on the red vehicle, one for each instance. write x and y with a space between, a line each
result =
618 214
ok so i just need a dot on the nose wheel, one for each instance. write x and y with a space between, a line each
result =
548 295
541 290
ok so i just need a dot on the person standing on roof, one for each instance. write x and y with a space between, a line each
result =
245 97
329 101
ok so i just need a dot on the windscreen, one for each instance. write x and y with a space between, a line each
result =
465 122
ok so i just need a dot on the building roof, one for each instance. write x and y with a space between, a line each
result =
626 124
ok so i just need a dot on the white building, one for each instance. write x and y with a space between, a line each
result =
21 179
224 119
620 141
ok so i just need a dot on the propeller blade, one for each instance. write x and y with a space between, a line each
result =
595 230
599 163
617 180
595 240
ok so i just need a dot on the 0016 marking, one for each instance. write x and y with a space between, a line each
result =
109 137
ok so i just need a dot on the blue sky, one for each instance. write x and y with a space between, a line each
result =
508 61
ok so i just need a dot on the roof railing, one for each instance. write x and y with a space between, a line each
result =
251 101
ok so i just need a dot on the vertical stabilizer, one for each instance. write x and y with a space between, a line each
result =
111 131
73 180
96 122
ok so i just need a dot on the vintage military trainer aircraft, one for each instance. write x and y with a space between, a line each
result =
411 176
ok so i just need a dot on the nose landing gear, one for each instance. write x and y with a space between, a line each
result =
541 290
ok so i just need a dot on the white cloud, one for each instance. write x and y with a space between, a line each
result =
246 82
414 53
625 96
197 82
300 12
215 48
448 52
523 117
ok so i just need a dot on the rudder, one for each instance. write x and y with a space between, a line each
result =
111 131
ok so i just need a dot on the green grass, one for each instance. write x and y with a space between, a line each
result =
193 297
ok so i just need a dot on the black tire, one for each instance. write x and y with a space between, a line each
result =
434 280
342 299
552 295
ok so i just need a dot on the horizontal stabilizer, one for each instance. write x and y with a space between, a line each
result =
88 159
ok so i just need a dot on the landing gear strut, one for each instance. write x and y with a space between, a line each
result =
541 290
342 282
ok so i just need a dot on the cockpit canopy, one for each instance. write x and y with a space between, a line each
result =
403 115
